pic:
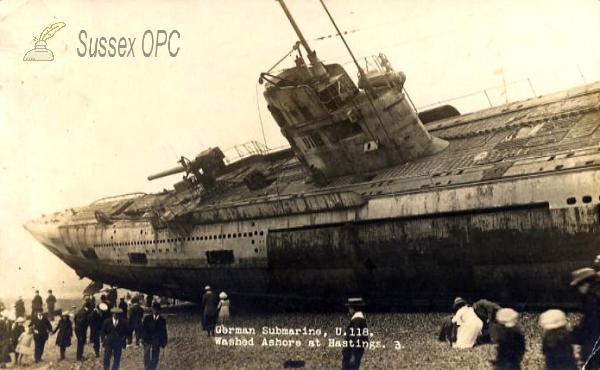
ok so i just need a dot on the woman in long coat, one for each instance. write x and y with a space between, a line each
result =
65 333
469 324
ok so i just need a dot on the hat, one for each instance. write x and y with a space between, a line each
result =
156 306
66 313
116 310
103 306
37 291
553 319
207 287
353 302
223 295
459 301
20 319
49 290
507 317
579 276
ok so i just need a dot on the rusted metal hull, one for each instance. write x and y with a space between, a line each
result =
518 256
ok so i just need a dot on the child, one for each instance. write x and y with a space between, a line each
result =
557 342
223 307
25 345
511 342
65 333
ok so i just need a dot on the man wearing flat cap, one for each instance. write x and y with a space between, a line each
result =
357 335
114 336
587 282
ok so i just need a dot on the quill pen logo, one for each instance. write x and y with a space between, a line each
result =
40 53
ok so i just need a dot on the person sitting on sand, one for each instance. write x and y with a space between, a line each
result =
469 324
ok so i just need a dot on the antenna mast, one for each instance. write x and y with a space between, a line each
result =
312 55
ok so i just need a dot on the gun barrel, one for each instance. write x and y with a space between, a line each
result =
170 172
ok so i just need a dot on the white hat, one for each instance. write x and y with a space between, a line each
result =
103 306
507 317
20 319
207 287
553 319
223 295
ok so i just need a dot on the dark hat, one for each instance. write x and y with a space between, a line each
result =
355 302
459 301
49 290
581 275
134 300
156 306
37 291
116 310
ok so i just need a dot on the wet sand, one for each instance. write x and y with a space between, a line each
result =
408 341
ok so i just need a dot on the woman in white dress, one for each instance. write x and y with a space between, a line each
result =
469 324
223 307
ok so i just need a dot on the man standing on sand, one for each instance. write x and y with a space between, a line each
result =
81 327
136 313
114 335
154 331
37 305
50 303
210 314
357 336
41 331
20 308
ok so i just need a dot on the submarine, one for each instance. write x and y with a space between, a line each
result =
370 199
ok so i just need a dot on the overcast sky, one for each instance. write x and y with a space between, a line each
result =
80 128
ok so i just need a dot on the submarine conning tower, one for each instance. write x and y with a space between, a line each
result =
337 128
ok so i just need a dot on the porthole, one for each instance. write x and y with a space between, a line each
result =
261 233
586 199
252 241
571 200
245 235
228 236
255 250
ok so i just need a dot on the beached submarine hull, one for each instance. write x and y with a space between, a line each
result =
506 212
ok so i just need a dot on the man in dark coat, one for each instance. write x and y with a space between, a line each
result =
20 307
587 282
154 337
41 332
123 306
95 320
486 311
210 313
357 336
114 336
81 327
50 303
65 333
5 341
112 298
37 304
136 313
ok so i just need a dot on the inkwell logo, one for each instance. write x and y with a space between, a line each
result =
40 53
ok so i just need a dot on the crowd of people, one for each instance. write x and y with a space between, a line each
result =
106 324
487 322
117 326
